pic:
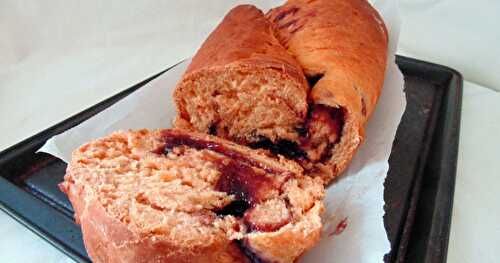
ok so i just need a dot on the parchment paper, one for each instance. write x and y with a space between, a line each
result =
354 228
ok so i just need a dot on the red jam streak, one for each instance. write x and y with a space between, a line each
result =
262 227
341 226
334 120
332 117
289 149
239 178
236 208
249 188
174 139
243 182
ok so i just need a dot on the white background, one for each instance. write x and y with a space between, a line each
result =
60 57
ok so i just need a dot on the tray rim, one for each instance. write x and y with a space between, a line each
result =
37 140
445 141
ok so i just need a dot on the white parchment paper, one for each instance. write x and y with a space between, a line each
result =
354 228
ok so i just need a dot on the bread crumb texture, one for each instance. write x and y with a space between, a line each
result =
132 196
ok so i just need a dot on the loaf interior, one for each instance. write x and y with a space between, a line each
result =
241 104
189 191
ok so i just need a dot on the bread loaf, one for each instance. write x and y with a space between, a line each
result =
171 196
247 81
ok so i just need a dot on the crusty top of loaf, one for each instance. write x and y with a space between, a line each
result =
342 40
244 37
343 45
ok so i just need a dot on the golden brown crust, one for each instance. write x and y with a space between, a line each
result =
345 39
108 240
244 39
107 177
345 43
293 239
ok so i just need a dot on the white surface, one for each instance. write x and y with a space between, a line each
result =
462 34
475 232
105 52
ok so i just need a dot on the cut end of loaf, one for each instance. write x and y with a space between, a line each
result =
257 110
241 104
191 191
254 117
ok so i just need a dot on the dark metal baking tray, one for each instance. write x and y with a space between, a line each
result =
419 187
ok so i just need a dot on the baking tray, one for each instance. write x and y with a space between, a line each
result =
419 186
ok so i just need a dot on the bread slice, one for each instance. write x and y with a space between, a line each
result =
246 86
242 83
172 196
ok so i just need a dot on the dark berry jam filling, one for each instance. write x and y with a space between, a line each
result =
212 130
251 255
313 79
331 121
241 176
289 149
323 124
173 139
242 181
236 208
